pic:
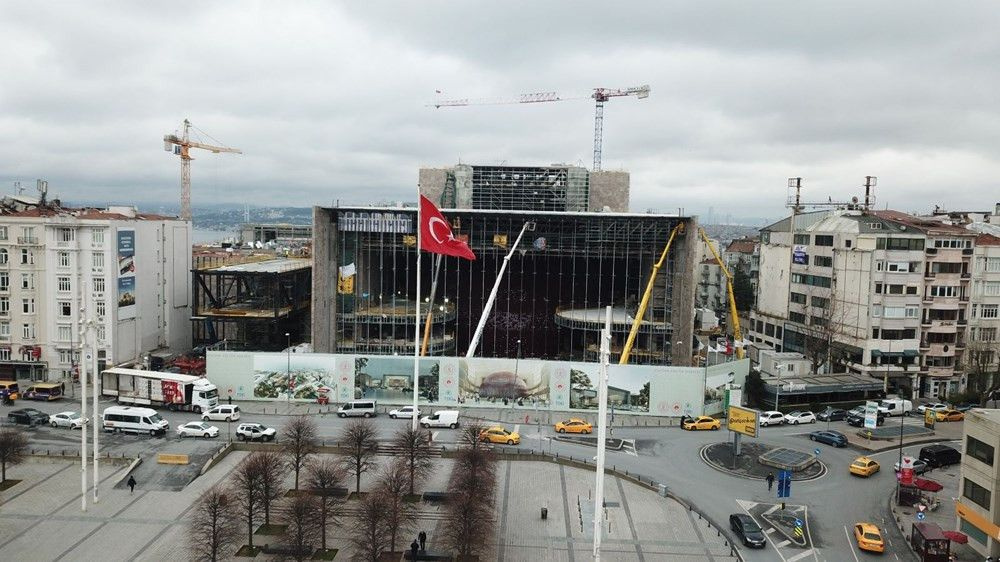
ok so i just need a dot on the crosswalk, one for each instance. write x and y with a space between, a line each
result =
787 549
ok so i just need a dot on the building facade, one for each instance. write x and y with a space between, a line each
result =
977 507
983 350
128 270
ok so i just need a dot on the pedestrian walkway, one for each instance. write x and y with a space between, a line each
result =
944 515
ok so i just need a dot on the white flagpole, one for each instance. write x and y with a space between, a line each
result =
416 326
602 414
96 377
83 410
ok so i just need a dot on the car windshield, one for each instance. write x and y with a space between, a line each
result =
873 536
73 416
155 418
210 394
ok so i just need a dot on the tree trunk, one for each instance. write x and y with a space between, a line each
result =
357 481
3 477
412 467
322 522
267 505
297 476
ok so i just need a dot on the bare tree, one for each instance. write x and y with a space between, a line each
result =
300 516
214 525
272 472
416 450
471 502
299 443
247 482
392 485
13 443
470 436
369 530
322 479
359 437
983 362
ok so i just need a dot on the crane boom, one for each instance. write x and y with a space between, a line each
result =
733 313
181 146
599 95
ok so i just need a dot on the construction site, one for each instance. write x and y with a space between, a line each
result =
583 252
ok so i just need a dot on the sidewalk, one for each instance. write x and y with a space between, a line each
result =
944 515
942 432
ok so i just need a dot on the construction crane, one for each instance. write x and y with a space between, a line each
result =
733 314
600 96
181 146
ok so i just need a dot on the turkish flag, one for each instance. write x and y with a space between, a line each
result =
436 235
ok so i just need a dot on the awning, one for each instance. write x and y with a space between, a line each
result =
927 485
955 536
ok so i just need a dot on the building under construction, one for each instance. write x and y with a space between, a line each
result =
585 252
252 305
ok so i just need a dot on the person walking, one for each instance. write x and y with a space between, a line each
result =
413 550
131 484
770 481
423 540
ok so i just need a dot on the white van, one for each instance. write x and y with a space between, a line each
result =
135 420
442 418
356 408
895 407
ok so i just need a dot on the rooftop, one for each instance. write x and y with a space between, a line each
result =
987 240
924 225
267 266
410 209
742 246
988 414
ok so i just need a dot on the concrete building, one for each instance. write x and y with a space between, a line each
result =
278 233
983 352
127 268
584 253
744 254
711 292
977 507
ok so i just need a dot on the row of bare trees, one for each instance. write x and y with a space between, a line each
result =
471 495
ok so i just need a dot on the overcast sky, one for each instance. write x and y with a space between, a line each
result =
328 101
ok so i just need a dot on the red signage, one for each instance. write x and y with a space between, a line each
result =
173 392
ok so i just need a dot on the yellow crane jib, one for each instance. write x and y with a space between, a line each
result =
733 314
627 350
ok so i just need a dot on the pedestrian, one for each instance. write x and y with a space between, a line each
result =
423 540
131 484
413 550
683 419
230 399
770 480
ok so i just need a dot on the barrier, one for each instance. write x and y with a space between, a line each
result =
168 458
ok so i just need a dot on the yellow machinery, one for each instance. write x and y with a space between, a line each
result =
627 350
733 314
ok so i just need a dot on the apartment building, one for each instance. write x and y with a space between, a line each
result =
983 352
878 293
978 515
129 270
744 254
711 291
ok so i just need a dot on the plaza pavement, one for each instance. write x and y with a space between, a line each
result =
40 518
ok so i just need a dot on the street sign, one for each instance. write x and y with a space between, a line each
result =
743 420
920 516
799 523
784 484
816 450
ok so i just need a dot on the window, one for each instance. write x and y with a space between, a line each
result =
976 493
4 281
65 235
64 283
28 331
97 236
97 261
65 356
992 265
953 243
824 240
3 232
817 321
899 266
797 298
989 311
98 284
876 310
943 291
823 261
5 330
911 289
895 289
63 259
101 308
987 334
769 330
797 317
65 333
847 243
65 309
101 333
814 280
979 450
27 256
991 289
820 302
28 306
899 244
4 306
801 239
946 267
27 235
27 280
4 256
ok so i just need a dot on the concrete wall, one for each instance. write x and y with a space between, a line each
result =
431 182
609 189
684 285
772 292
324 281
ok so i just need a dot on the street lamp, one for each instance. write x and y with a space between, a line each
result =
517 360
288 366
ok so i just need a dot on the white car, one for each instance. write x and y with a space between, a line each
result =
405 412
71 420
934 407
255 432
222 413
795 418
772 417
197 429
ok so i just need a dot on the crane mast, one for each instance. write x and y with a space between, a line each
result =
181 145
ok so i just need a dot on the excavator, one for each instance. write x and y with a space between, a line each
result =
644 303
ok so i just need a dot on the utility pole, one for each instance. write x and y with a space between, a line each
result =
83 410
602 423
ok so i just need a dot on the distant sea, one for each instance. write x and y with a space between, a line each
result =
205 236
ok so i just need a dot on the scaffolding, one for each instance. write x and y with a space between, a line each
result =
549 188
573 262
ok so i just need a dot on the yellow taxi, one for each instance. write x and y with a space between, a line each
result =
868 537
948 415
498 434
864 466
574 425
702 422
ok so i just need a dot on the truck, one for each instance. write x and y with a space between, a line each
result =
175 391
895 407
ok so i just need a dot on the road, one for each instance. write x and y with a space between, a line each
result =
834 502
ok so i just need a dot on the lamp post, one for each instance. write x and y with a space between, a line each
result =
517 360
288 366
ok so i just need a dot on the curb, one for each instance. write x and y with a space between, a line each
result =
899 525
704 459
131 467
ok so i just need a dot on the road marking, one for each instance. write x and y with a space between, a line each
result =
783 544
772 509
800 556
771 530
746 505
850 543
434 435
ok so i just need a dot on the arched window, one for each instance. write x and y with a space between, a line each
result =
3 256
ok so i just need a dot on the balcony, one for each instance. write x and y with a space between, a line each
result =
967 251
28 240
963 322
929 275
966 275
963 298
931 251
924 346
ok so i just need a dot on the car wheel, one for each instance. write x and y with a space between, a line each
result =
205 435
453 426
586 432
796 422
367 415
340 415
510 441
197 409
53 424
812 437
426 425
812 420
393 416
152 432
715 428
562 430
204 418
229 418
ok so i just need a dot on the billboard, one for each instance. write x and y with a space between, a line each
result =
799 255
871 414
126 273
743 420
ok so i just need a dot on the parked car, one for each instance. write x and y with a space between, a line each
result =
948 415
27 416
868 537
363 408
441 418
856 417
933 406
747 530
964 406
795 418
255 432
831 414
702 422
835 438
895 407
937 456
498 434
574 425
919 466
406 412
864 466
771 417
197 429
225 412
71 420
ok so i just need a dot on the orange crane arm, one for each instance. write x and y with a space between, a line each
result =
733 314
627 350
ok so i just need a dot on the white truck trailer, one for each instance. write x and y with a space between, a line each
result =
174 391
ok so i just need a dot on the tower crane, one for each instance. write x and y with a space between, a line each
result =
181 146
599 95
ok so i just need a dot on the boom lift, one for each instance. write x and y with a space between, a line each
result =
627 350
733 314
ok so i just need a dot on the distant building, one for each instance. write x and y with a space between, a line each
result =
128 269
277 233
711 292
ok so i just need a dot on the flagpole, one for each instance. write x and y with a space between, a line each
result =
416 326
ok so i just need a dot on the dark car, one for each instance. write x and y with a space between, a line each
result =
858 420
937 456
27 416
747 530
835 438
831 414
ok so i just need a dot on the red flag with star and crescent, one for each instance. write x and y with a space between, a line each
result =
436 236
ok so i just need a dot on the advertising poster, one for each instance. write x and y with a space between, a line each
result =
871 414
126 273
448 381
344 390
677 391
799 255
390 379
502 381
559 386
293 375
